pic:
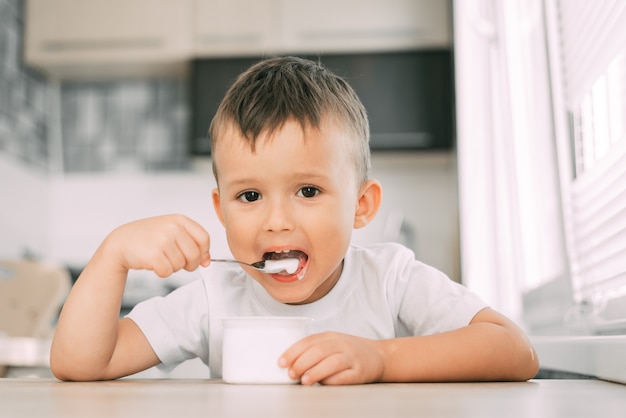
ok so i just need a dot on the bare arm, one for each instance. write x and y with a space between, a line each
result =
90 341
490 348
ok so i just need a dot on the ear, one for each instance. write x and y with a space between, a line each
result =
217 204
370 198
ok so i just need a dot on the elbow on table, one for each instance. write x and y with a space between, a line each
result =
66 369
64 373
529 366
523 363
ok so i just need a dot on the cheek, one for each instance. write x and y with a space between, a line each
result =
333 226
237 227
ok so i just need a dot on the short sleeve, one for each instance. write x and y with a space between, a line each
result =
175 325
429 302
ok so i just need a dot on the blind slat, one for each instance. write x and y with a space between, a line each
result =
607 197
592 32
610 232
605 250
593 40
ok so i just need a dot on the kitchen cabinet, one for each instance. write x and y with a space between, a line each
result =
95 38
244 27
236 27
324 26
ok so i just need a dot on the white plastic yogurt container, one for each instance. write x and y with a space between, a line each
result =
252 346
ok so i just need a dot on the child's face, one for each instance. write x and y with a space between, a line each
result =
297 192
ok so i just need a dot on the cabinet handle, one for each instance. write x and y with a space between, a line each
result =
244 38
363 34
90 45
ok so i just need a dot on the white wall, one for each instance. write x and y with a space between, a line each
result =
24 199
83 209
423 188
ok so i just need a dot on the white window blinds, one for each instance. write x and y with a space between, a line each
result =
593 42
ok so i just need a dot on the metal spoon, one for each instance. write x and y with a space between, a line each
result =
290 265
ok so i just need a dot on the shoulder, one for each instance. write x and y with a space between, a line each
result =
378 251
394 267
389 258
425 300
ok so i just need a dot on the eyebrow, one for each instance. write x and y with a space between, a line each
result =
304 177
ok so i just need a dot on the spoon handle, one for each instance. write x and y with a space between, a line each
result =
259 265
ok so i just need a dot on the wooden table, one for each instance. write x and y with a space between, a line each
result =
209 398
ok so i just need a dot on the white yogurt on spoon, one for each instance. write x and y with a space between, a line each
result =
288 265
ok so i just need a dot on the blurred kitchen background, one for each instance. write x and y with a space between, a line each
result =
497 133
102 125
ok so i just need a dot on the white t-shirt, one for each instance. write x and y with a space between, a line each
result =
383 292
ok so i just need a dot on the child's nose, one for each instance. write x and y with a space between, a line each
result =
279 216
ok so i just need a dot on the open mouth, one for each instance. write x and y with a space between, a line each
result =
298 255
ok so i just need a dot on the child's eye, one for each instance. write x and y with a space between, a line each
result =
308 191
249 196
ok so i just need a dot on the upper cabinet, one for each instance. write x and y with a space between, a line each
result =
323 26
245 27
93 39
235 27
96 38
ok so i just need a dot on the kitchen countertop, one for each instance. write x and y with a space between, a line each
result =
600 356
206 398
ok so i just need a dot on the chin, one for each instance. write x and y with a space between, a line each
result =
290 298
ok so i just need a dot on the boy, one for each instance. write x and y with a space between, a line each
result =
291 159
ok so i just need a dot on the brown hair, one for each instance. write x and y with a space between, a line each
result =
275 90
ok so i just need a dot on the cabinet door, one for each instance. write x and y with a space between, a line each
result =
70 33
364 25
235 27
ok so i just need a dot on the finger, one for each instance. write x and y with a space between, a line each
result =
155 257
173 254
296 350
201 237
318 361
178 244
162 266
190 252
329 369
344 377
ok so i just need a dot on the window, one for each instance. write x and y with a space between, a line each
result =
541 105
512 239
591 66
541 154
